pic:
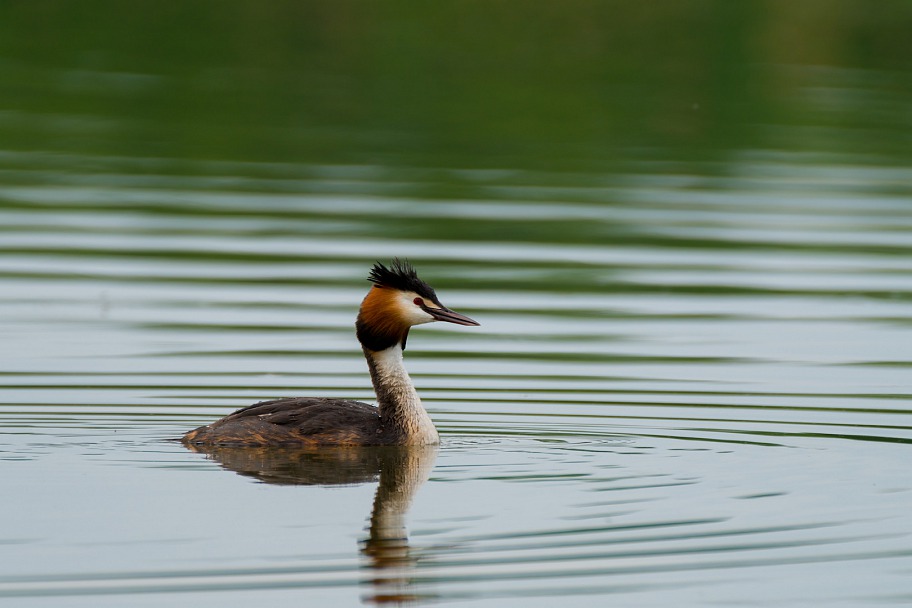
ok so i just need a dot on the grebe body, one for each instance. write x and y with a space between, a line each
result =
397 301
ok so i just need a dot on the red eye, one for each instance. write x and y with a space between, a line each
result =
418 302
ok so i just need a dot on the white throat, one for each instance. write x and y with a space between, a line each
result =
397 398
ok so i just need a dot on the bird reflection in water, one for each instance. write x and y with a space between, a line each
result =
400 470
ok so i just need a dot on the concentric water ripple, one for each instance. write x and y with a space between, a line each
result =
632 420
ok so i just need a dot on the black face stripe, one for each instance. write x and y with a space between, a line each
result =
428 309
402 276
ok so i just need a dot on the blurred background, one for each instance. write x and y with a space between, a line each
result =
285 88
685 227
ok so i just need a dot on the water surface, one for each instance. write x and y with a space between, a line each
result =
691 381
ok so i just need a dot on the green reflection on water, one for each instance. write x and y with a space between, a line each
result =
582 85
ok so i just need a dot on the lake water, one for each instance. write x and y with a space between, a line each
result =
691 260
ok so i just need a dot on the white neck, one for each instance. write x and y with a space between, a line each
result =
397 399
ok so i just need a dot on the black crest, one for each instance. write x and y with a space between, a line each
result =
402 276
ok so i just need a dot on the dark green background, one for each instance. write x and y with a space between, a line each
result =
582 86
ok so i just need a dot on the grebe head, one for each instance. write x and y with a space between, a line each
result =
397 301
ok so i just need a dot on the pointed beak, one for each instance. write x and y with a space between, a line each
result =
450 316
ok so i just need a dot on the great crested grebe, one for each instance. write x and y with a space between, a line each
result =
397 301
